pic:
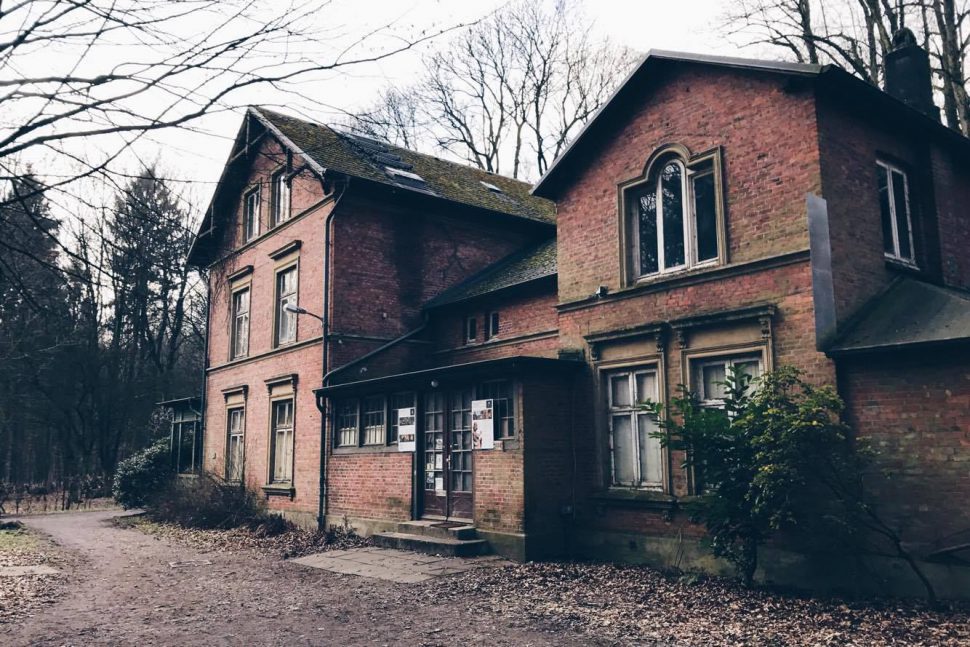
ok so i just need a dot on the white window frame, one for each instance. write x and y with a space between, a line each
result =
346 435
235 473
492 324
471 329
280 314
697 368
895 255
373 433
688 200
280 201
634 411
251 215
237 315
281 458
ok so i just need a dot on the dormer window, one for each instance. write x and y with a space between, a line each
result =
897 224
672 215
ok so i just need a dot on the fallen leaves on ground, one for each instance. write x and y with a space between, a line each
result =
629 605
294 542
22 595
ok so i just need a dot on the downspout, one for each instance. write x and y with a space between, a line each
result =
324 355
205 374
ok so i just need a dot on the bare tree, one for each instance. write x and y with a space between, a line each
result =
857 35
508 93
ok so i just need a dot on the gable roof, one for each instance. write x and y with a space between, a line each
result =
324 150
846 87
530 264
385 163
910 312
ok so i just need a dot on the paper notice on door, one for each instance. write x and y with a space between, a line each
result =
439 484
407 430
483 424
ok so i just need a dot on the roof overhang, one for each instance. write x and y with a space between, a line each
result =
443 375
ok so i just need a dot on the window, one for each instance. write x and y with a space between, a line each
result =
471 329
280 198
373 415
346 415
500 393
491 325
281 450
186 442
672 217
251 215
897 229
636 456
398 401
235 444
710 375
240 324
285 295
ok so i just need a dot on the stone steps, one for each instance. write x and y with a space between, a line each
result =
434 538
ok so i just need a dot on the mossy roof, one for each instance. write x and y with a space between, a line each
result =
530 264
353 156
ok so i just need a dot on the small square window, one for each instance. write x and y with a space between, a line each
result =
471 329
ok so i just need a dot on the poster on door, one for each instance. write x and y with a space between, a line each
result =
407 430
483 425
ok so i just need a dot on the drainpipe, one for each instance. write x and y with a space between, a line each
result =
324 355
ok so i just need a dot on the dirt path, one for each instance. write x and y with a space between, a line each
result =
126 592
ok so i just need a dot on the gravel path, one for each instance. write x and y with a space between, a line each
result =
132 588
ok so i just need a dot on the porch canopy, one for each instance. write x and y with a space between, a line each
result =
443 376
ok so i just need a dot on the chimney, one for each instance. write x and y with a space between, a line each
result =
908 73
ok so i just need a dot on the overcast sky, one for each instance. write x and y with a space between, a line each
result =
195 156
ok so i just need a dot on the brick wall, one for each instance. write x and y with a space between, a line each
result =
914 410
372 485
770 161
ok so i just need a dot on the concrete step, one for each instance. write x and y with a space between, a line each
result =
444 530
432 545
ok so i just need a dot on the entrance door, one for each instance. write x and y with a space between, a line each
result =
447 454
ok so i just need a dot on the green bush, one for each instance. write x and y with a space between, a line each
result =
767 460
205 501
144 476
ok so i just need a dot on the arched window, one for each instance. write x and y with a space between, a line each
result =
672 215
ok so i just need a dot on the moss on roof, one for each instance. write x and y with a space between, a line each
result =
525 266
456 182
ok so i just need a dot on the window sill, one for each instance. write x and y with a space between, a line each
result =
900 265
367 449
640 499
280 489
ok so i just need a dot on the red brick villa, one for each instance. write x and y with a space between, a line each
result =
396 339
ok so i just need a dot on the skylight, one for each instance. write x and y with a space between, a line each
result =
402 173
491 187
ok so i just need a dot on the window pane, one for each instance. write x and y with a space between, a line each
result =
646 387
186 442
902 221
645 206
672 190
374 420
712 378
346 422
651 466
884 207
286 295
705 212
620 391
624 452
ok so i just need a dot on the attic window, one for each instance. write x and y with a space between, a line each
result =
396 172
491 187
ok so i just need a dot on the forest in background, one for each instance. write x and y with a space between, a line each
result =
99 316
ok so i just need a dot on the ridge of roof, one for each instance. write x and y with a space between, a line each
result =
532 263
838 76
348 153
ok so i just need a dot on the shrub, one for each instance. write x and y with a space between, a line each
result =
763 459
205 501
144 476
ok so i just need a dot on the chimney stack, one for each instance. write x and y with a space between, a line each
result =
908 73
